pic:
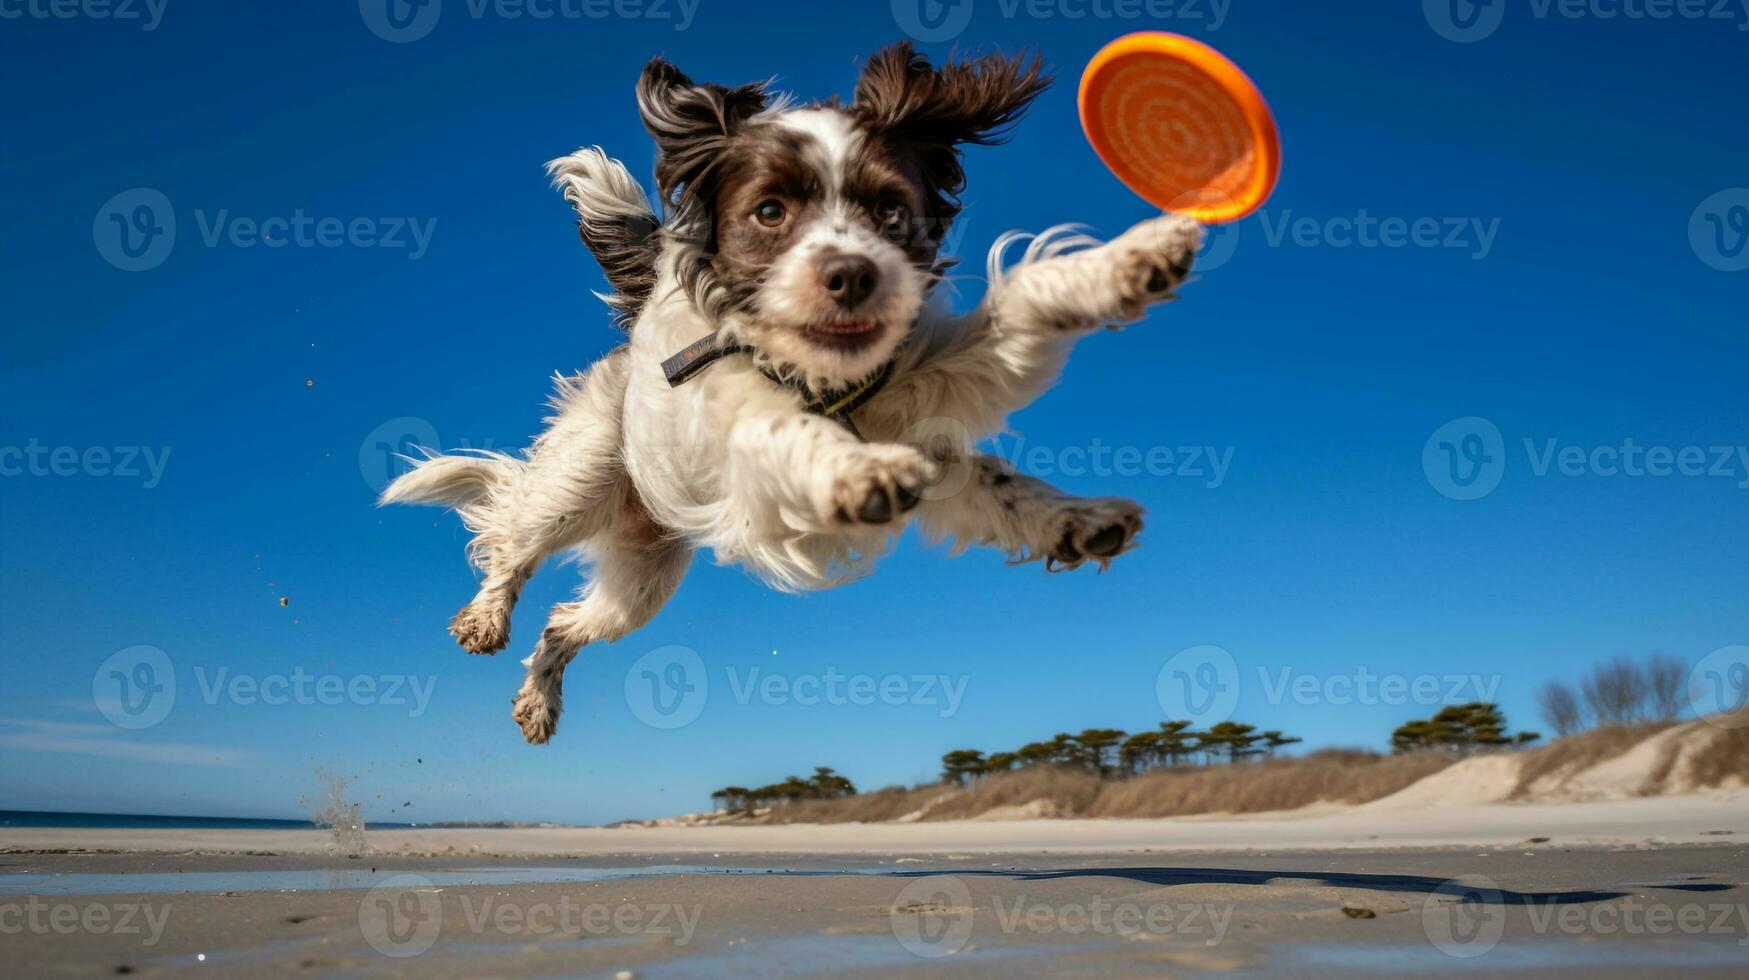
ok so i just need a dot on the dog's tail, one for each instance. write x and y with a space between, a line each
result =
457 482
615 220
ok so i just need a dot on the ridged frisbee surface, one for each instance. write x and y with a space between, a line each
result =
1181 125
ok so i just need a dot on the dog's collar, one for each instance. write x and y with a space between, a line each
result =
833 403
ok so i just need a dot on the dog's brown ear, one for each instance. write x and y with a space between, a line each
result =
690 122
905 98
930 112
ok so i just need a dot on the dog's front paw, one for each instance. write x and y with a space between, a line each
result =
1097 530
536 710
482 626
874 485
1153 258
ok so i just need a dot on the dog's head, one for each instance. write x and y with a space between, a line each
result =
815 232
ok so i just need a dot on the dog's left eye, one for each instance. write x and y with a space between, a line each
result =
769 212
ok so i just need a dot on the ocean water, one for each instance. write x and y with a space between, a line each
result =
44 818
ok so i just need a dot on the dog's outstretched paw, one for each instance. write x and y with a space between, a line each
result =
878 483
1094 530
536 711
1153 258
482 626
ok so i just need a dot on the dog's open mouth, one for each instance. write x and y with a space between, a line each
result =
844 335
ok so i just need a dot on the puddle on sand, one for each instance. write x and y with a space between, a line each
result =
1398 960
211 882
817 955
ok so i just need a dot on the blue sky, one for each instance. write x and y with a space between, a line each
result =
220 413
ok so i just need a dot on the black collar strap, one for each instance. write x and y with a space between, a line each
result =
835 403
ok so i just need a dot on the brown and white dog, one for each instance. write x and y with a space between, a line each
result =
806 240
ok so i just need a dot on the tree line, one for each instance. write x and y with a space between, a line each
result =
1620 691
824 784
1113 753
1109 752
1459 728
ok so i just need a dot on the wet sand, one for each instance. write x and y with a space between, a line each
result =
1534 908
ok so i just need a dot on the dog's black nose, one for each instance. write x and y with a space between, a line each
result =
848 279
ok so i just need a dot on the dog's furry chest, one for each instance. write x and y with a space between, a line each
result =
680 450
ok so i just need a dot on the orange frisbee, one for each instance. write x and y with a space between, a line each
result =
1181 125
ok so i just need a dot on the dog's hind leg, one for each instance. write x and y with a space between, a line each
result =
564 494
985 502
636 570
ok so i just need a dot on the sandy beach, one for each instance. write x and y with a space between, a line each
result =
1606 888
1695 819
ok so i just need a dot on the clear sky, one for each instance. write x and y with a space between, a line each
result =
221 415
